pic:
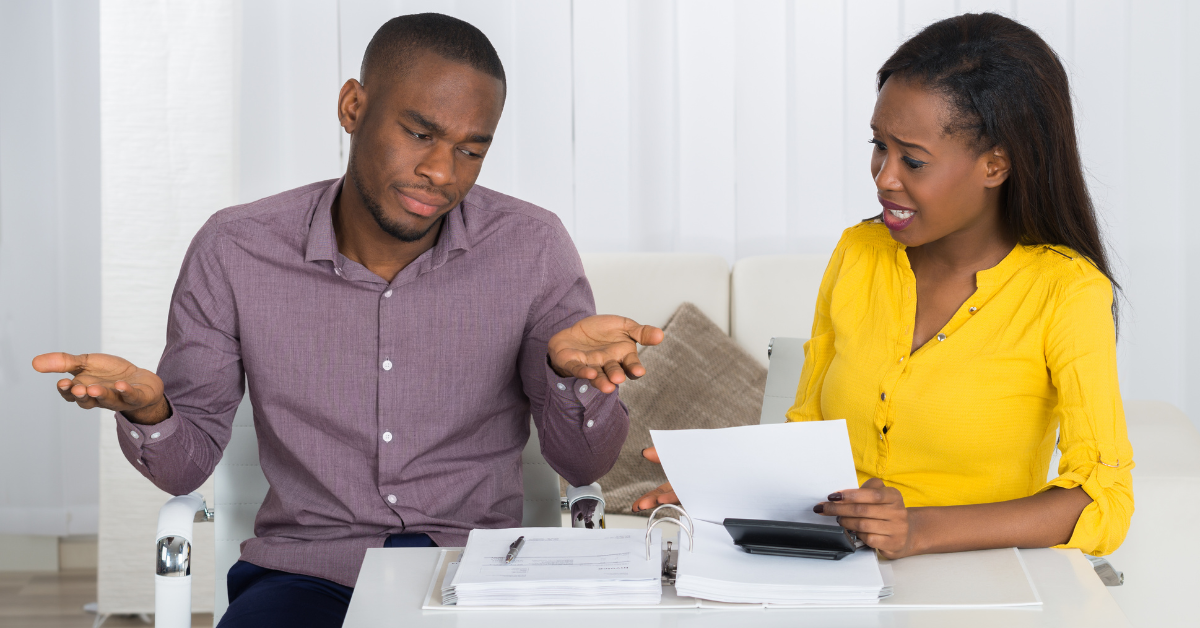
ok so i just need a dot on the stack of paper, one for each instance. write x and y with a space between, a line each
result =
718 570
449 596
557 566
774 472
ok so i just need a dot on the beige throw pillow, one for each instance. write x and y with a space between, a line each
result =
697 378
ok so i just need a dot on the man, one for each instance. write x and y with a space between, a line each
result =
396 328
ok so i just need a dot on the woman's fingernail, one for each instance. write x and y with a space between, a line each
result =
819 508
835 497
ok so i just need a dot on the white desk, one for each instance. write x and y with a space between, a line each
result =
393 582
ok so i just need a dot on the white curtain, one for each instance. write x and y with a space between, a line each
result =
168 115
49 260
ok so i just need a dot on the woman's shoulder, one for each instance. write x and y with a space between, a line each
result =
867 236
1065 269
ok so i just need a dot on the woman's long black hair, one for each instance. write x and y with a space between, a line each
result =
1010 90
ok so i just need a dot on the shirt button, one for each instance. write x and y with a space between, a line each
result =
135 434
338 271
972 309
941 337
387 437
391 499
562 386
901 358
140 462
583 388
156 435
590 423
387 365
388 294
883 396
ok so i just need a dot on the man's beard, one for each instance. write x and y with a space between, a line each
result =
389 226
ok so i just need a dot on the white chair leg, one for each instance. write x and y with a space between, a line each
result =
173 561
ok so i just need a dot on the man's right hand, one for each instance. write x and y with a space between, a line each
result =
108 381
664 494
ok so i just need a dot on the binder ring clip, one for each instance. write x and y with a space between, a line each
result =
688 528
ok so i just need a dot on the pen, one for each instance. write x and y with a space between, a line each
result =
513 549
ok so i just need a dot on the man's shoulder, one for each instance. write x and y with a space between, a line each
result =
486 209
266 213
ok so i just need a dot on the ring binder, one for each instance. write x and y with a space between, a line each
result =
670 555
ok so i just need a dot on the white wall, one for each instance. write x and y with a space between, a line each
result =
49 260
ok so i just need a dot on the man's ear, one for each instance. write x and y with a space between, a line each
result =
352 103
996 167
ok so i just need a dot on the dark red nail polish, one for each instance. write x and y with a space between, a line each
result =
835 497
819 508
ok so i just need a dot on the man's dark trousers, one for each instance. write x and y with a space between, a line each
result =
266 598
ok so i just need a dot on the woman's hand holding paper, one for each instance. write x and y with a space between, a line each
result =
876 513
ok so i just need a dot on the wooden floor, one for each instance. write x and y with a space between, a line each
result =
55 600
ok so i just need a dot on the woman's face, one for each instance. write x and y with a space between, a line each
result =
931 184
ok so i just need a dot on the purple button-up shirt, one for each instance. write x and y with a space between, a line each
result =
380 408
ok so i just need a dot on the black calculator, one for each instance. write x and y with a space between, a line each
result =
788 538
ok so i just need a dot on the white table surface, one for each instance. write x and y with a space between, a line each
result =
393 582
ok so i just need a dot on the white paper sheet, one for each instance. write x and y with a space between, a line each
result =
719 570
777 472
558 566
557 554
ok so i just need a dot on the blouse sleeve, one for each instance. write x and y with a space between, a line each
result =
818 351
1081 354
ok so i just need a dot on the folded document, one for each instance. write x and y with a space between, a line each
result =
556 566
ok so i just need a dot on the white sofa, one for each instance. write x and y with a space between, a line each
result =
769 296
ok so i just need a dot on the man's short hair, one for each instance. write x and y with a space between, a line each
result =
402 38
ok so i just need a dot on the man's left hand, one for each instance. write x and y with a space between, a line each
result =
602 349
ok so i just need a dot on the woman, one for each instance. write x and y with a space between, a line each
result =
975 315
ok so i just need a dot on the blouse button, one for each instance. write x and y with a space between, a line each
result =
901 358
972 309
883 396
941 337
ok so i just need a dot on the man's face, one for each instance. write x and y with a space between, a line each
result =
418 140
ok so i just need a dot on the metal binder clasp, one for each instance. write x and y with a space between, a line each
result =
689 528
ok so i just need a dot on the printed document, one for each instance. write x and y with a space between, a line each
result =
559 566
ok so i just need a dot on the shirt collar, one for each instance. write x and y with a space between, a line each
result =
1007 267
322 240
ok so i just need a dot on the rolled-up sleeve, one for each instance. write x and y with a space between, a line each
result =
202 375
1096 453
580 428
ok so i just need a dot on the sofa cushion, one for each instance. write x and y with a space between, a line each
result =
697 378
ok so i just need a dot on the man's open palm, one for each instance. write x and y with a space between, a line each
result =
602 349
106 381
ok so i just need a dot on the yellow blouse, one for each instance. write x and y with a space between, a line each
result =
970 417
